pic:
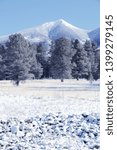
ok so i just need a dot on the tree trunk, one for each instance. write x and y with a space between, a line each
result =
17 82
62 80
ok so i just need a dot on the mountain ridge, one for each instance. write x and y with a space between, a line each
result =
53 30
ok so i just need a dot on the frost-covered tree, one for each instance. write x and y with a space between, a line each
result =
3 66
1 69
96 73
36 68
17 58
61 59
89 47
79 61
42 57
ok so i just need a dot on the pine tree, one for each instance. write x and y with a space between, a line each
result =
61 59
3 66
96 73
41 56
79 61
17 58
1 71
36 68
92 67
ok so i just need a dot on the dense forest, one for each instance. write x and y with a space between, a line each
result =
21 60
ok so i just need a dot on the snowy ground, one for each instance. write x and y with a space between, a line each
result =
48 96
75 127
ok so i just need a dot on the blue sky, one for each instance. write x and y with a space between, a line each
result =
16 15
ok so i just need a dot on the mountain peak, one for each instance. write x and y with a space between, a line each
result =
64 23
61 21
53 30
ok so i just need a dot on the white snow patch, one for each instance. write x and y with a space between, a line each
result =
45 96
49 114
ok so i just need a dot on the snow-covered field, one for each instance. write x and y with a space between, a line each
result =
49 115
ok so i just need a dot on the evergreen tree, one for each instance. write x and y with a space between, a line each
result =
79 61
92 67
41 57
96 74
61 59
1 69
3 66
36 68
17 58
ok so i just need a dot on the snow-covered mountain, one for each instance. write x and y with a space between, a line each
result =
54 30
95 36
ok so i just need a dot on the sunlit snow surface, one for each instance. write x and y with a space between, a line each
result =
53 30
49 115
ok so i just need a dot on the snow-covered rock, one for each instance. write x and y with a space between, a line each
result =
71 132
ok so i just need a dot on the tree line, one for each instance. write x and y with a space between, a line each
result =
66 59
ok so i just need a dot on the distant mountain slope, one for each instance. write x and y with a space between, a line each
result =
95 36
54 30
